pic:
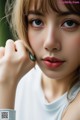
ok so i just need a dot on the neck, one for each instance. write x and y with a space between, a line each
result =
53 89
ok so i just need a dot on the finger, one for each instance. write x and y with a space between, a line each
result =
20 47
27 46
2 52
10 47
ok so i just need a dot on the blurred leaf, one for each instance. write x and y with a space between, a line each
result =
5 32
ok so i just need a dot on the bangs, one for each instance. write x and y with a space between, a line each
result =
45 6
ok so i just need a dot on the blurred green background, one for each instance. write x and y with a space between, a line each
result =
5 32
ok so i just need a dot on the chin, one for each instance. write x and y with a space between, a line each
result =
53 75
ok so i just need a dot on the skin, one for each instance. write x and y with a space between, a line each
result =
14 56
53 32
50 33
43 41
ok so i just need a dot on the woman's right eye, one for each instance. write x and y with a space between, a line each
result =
37 23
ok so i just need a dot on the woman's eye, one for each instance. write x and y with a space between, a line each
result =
36 23
70 24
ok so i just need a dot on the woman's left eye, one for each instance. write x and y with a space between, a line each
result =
70 24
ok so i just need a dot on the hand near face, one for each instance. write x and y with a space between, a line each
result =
14 63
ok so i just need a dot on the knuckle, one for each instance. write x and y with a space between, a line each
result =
9 41
17 41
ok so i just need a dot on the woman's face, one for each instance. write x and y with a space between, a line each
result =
54 39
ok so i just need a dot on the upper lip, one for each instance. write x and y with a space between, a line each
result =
53 59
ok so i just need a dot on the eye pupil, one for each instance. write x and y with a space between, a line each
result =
69 22
38 22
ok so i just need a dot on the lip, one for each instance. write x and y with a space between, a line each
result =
53 62
52 59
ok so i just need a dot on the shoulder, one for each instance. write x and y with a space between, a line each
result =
31 76
72 112
28 81
26 87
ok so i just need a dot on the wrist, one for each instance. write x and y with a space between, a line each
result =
7 97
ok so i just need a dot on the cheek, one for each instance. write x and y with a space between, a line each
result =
73 42
71 47
34 40
76 45
77 41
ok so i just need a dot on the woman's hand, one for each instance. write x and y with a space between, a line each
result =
14 63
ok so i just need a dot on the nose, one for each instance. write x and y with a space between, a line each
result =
52 42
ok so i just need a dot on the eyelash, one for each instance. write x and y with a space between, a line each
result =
73 22
36 20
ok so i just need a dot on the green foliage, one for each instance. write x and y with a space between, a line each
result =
5 32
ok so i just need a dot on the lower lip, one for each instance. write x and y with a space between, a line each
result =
53 65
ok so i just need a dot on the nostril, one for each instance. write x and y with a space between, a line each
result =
52 49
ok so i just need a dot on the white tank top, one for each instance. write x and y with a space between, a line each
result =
30 103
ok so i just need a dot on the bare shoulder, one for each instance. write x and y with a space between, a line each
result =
73 110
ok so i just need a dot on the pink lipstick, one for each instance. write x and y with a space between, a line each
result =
52 62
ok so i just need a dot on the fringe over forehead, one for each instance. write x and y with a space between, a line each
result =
46 5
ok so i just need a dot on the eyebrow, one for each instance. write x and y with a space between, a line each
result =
35 13
68 13
61 13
